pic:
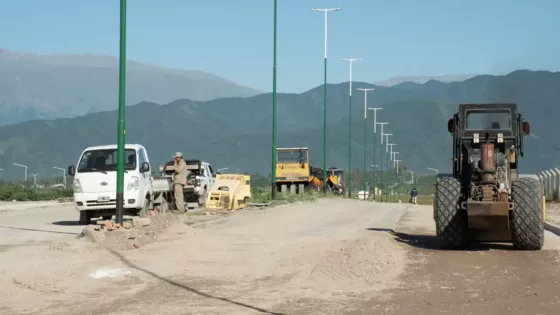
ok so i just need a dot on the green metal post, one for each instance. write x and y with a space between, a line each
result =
381 175
325 122
350 145
374 168
273 173
365 149
121 137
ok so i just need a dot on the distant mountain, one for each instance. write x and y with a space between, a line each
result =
423 79
235 132
58 86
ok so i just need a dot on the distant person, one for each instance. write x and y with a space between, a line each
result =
179 180
413 195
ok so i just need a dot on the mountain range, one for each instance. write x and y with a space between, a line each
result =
59 86
235 132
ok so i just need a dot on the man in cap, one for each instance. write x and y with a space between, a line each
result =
179 180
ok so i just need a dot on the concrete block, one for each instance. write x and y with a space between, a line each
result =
140 222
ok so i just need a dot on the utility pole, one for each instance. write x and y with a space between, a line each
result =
365 136
394 157
374 170
326 11
273 171
25 167
121 136
351 61
63 174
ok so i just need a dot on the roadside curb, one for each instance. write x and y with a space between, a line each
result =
552 228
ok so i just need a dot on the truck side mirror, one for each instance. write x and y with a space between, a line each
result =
145 167
526 128
71 170
451 125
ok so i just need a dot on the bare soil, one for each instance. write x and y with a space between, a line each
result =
333 256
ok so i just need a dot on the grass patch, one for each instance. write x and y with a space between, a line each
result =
264 195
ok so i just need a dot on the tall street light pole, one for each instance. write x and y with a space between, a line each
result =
365 135
397 161
63 174
374 150
121 136
25 167
34 180
326 11
351 61
384 176
381 162
411 175
273 171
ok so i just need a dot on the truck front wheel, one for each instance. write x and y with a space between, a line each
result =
85 217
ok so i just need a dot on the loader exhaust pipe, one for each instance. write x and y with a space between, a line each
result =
487 163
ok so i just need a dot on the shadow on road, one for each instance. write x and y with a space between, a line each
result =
36 230
187 288
68 223
428 241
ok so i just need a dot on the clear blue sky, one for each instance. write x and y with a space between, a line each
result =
233 39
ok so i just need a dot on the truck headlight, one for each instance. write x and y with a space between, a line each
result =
133 183
77 187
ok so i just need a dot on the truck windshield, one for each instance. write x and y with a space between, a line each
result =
105 160
484 120
296 156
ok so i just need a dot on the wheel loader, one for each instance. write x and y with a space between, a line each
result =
484 199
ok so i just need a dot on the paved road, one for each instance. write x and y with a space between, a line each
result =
330 257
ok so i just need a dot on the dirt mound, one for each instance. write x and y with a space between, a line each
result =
138 233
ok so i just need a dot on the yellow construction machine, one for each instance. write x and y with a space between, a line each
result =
292 170
335 178
229 192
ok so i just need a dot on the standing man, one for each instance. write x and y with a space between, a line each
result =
179 180
413 195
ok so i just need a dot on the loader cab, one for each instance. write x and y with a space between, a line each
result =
474 124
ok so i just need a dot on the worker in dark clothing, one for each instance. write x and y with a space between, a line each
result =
413 195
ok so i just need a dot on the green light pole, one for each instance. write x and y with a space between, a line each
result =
365 137
374 150
389 167
121 137
381 158
325 102
273 173
351 61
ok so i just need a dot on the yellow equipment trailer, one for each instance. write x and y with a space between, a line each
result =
292 170
229 192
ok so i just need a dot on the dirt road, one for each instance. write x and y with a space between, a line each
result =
329 257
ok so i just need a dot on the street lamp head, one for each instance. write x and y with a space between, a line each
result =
350 59
325 10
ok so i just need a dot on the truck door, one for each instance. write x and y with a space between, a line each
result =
211 176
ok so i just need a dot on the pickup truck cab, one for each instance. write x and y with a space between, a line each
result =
200 179
95 182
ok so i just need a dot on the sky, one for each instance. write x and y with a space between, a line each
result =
234 39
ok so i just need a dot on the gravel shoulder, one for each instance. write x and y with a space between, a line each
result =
320 257
485 279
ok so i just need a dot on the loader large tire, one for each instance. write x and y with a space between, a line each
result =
451 221
527 215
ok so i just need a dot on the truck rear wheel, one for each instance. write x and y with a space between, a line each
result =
451 220
527 216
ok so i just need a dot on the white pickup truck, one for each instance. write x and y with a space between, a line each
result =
201 177
95 183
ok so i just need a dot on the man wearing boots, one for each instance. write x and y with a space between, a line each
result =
179 180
